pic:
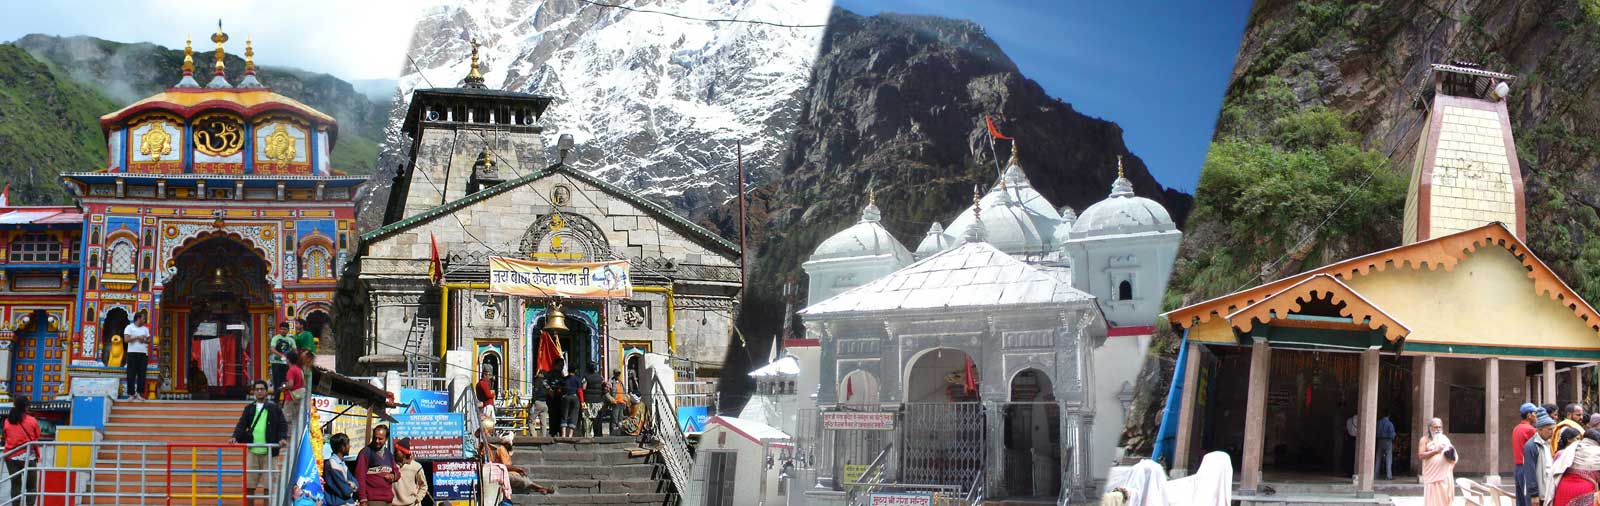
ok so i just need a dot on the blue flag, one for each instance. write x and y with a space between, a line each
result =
307 483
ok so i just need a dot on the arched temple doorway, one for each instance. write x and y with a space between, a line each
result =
1033 436
115 322
317 323
216 309
37 357
944 421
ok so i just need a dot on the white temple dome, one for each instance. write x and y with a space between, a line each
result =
864 239
935 241
1016 218
1122 213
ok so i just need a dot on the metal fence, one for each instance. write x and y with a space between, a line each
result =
943 442
663 427
74 472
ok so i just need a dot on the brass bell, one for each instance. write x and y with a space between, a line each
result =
555 321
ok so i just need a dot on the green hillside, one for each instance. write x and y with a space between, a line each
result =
48 125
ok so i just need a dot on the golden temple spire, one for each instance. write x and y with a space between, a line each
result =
188 56
249 57
872 196
1013 152
1119 167
219 38
474 76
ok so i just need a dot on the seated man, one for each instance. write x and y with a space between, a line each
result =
501 454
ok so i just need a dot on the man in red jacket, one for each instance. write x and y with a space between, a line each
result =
376 471
1519 438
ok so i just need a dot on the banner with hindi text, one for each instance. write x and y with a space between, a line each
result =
588 280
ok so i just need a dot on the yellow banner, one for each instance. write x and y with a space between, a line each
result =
591 280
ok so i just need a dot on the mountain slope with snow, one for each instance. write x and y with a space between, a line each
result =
655 103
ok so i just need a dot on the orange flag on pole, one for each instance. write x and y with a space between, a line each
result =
992 130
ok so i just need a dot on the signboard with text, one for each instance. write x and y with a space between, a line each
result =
425 401
433 435
589 280
855 420
455 479
883 499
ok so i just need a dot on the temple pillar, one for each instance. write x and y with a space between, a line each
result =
1191 376
1255 416
1082 425
1491 424
1577 384
996 467
1367 425
1550 386
1426 384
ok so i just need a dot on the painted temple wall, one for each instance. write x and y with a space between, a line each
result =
1491 301
1116 363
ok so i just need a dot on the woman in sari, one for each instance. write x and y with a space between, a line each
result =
1438 465
1576 487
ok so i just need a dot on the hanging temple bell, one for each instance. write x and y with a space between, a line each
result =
555 321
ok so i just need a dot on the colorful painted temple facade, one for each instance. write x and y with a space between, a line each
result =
217 213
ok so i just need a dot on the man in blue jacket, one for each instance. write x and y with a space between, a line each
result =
1385 457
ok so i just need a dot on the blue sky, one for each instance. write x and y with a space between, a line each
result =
1157 68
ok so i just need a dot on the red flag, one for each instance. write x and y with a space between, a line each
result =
849 388
435 268
992 130
549 351
971 383
5 196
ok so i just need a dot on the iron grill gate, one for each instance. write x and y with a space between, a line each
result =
943 443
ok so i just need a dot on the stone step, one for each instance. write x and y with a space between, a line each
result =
574 444
526 499
143 426
590 487
523 457
596 472
175 418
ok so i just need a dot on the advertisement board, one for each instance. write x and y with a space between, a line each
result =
433 435
425 401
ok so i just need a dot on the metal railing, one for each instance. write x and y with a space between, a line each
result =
975 491
674 447
138 473
871 479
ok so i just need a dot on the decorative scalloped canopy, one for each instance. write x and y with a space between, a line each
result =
1325 288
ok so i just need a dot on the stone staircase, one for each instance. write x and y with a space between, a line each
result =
592 471
180 422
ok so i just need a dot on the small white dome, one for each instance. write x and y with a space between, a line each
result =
1122 213
864 239
935 241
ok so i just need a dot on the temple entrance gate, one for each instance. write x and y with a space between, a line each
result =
217 309
37 372
1033 436
943 438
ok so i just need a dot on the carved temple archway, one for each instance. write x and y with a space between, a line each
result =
216 309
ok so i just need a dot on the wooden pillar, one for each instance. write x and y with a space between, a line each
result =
1577 385
1255 414
1367 431
1191 380
1429 373
1491 424
1550 386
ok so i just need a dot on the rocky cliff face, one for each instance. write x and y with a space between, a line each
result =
127 72
655 103
897 103
1370 61
48 125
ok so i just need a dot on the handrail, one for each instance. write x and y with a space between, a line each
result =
145 473
975 492
664 429
871 478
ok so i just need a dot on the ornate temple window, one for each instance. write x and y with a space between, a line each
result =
1125 290
35 249
121 257
565 237
316 263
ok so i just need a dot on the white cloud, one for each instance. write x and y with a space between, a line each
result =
349 39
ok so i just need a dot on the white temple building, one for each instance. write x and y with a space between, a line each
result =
1048 311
